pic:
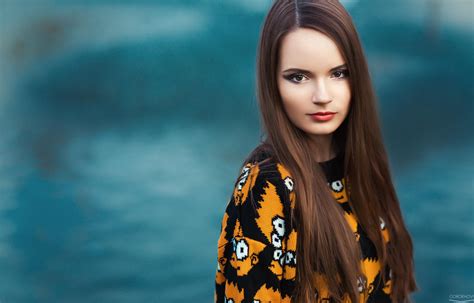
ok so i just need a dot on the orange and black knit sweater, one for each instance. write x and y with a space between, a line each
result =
257 247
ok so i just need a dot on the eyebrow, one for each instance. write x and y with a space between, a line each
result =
310 73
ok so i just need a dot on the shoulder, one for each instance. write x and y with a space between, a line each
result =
262 200
262 165
257 237
264 177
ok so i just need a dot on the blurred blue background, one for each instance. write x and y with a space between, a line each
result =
123 124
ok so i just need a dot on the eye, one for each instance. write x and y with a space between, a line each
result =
296 76
342 73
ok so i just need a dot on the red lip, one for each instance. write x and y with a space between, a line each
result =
323 116
323 113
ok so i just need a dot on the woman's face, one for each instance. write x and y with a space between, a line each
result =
312 78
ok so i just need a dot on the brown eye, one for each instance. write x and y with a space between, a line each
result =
343 73
296 78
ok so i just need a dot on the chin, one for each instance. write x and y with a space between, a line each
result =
321 130
320 133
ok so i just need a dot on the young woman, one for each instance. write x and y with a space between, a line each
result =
314 216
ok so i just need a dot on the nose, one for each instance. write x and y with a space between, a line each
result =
320 94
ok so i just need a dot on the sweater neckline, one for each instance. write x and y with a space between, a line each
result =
330 160
334 167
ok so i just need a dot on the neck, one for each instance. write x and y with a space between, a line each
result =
322 147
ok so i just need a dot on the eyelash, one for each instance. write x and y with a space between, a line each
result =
344 71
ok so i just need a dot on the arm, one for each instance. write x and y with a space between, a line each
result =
256 260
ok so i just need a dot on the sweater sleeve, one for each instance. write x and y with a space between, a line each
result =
256 247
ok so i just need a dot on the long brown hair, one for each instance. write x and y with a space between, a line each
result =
326 245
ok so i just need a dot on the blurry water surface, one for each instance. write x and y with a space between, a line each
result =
123 127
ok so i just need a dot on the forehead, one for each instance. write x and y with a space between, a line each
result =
309 49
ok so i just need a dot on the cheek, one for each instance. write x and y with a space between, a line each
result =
342 94
292 97
289 93
347 93
292 105
342 91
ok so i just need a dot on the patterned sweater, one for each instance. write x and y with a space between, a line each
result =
257 248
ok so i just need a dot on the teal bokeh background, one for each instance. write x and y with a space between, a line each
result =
124 124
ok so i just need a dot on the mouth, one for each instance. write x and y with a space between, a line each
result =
322 116
322 113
